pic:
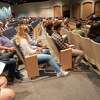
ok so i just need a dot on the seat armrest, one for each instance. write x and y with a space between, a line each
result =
31 64
29 56
66 58
69 49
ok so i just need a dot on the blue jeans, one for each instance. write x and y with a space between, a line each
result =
45 58
46 51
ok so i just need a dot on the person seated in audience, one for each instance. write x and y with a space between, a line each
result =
36 43
94 32
93 17
7 50
30 25
6 24
10 67
5 93
61 45
4 41
2 25
49 26
27 50
78 29
49 30
66 25
43 27
65 29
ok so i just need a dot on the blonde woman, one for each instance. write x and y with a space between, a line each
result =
22 40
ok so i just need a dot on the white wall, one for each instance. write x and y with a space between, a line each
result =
41 9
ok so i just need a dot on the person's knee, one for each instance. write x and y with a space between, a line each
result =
3 81
81 53
50 57
7 93
12 61
77 52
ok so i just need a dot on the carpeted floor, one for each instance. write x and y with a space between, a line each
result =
77 86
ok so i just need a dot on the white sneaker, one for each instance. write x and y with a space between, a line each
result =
62 73
59 74
65 73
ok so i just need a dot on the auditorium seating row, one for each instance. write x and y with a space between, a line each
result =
64 57
10 32
91 49
31 62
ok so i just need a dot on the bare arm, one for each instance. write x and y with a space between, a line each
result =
6 48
